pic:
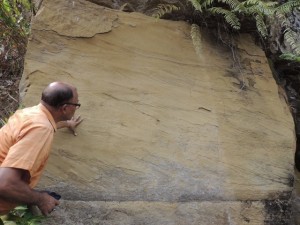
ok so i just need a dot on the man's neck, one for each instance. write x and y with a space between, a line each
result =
53 111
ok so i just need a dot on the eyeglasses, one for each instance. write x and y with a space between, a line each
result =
75 104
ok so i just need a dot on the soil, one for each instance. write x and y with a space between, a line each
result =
9 96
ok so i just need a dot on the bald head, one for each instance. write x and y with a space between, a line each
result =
57 93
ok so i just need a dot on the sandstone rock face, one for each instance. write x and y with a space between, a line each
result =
166 213
164 121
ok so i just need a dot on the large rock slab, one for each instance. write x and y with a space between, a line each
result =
163 121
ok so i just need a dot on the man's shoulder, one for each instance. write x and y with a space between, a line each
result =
32 116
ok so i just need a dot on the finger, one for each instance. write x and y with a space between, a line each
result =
72 129
79 122
74 132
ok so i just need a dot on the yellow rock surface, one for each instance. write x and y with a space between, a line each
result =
163 121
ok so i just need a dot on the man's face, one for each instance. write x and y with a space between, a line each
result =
70 107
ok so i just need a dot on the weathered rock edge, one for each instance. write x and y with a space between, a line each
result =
158 213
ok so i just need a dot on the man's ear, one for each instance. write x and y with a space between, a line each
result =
63 108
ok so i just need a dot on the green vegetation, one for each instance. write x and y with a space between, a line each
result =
2 122
14 23
290 57
262 17
244 16
163 9
21 215
14 29
15 16
234 10
238 14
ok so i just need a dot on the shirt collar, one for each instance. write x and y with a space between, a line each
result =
49 116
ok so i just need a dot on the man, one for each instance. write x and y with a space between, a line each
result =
25 143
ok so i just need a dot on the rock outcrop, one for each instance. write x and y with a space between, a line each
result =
175 133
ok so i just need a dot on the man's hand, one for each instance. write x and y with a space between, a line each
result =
73 123
15 189
46 203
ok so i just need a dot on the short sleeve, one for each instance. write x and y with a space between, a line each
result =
31 151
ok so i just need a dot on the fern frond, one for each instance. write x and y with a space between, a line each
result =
261 26
196 4
229 17
289 36
250 2
290 57
207 3
196 37
285 22
281 17
259 7
239 8
163 9
233 4
270 4
288 6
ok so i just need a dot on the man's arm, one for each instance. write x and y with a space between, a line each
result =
71 124
14 189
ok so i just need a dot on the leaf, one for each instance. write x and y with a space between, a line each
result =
290 57
207 3
289 36
232 3
261 26
25 3
229 17
287 7
6 5
196 5
10 223
196 37
21 207
163 9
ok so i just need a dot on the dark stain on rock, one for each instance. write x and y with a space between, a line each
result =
278 212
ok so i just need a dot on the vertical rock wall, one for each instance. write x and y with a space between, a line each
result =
162 123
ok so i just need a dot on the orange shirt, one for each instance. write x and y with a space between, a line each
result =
25 143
